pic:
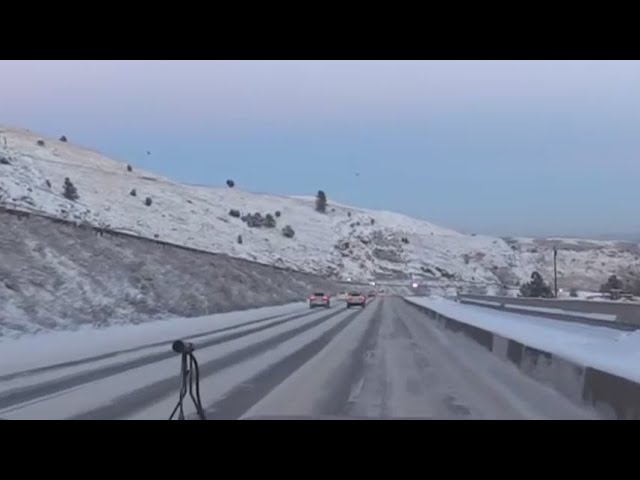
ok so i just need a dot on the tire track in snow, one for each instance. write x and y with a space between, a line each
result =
82 361
426 389
21 395
372 370
137 400
352 379
245 396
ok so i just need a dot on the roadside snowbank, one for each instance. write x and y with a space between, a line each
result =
606 349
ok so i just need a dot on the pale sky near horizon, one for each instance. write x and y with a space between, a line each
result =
501 147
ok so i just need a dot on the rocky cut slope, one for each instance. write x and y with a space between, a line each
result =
345 242
56 275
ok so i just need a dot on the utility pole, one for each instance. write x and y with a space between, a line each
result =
555 271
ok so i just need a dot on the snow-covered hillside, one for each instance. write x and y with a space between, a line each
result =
346 242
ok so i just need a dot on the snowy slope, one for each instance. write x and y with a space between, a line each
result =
346 242
55 276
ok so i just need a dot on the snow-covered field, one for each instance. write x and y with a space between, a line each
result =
346 242
609 350
384 361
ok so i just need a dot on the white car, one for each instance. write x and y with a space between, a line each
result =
356 299
319 300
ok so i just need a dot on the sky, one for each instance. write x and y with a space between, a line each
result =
494 147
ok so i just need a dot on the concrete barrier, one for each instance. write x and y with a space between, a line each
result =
623 316
613 397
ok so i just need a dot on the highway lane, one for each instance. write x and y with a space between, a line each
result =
387 360
394 362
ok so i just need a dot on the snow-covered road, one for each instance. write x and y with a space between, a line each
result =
385 361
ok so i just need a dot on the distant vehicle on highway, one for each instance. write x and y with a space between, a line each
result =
319 300
355 299
372 294
342 296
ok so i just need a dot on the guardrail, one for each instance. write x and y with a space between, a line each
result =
621 316
612 396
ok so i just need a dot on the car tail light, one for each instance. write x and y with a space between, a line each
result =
312 297
325 298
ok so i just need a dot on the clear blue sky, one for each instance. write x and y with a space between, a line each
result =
504 147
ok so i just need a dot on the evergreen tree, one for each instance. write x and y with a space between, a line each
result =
269 221
70 192
613 283
536 288
321 202
288 231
